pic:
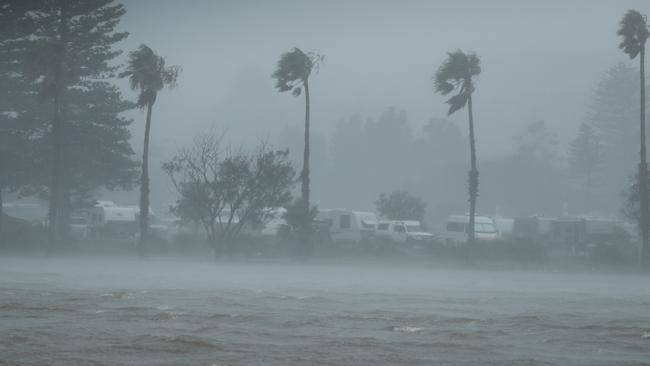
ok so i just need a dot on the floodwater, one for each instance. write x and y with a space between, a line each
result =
126 312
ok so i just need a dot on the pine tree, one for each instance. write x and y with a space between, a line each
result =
69 61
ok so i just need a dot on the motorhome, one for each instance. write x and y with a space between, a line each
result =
346 225
403 231
568 235
533 228
456 228
109 219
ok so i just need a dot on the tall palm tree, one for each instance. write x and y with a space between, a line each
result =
147 74
634 30
292 74
455 76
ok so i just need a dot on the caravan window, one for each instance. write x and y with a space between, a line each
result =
344 221
399 229
484 228
456 227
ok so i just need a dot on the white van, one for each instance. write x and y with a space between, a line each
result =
346 225
403 231
456 229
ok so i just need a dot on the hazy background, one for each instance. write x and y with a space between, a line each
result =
540 61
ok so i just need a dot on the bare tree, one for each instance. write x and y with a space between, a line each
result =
224 190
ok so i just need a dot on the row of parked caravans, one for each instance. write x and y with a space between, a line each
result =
572 235
346 225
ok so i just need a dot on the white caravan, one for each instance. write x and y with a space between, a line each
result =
346 225
408 231
456 229
118 221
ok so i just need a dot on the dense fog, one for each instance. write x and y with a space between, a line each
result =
537 66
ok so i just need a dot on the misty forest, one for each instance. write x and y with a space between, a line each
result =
307 183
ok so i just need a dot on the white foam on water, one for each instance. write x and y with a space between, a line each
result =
408 329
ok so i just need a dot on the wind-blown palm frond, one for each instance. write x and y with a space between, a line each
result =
455 74
294 68
634 30
148 74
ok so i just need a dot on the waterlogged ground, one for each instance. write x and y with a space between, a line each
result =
123 312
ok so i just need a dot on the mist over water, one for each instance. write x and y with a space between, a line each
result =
162 312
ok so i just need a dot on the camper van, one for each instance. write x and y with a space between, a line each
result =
403 231
346 225
456 228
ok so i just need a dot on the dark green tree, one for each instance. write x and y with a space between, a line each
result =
70 51
401 205
292 74
455 75
148 74
13 144
634 31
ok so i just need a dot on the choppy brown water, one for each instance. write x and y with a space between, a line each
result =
92 312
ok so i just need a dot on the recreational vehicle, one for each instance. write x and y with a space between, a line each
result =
456 228
403 231
346 225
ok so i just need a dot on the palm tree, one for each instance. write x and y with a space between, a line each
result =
634 30
292 74
455 75
147 74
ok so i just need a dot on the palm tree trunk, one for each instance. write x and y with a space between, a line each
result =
144 188
643 172
55 185
306 230
305 164
473 176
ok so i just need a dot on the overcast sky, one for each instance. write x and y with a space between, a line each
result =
540 60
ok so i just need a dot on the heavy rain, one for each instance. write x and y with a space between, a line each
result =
221 182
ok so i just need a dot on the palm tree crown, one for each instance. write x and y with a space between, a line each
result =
634 30
294 68
455 74
148 74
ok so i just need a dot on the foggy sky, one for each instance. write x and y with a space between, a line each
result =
540 61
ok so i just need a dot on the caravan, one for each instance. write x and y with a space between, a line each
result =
346 225
456 228
109 219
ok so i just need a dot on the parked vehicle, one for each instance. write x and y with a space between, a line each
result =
533 228
456 228
403 231
569 235
346 225
79 227
111 220
504 226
